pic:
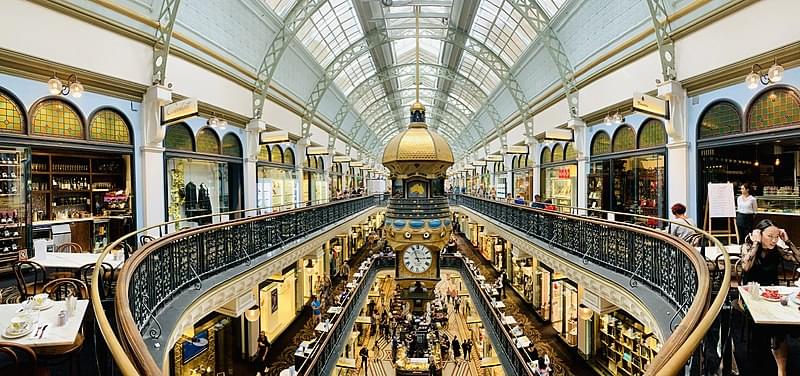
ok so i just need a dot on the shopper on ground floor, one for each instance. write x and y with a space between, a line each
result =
364 357
316 309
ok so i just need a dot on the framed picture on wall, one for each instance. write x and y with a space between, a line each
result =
274 296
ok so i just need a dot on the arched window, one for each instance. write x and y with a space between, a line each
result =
56 118
207 141
528 161
546 157
570 153
601 144
11 117
277 154
231 145
264 153
558 153
288 156
652 134
320 163
109 126
720 119
515 162
179 137
774 108
624 139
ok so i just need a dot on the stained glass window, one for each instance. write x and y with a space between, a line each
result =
721 119
10 116
179 137
53 117
546 157
558 153
207 141
570 153
652 134
264 153
231 145
601 144
109 126
288 156
277 154
774 108
624 139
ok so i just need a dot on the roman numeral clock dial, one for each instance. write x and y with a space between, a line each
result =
417 258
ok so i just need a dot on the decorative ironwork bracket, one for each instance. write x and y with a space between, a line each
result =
166 21
633 282
682 308
585 258
199 283
552 240
666 49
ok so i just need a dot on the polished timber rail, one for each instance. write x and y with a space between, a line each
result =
652 258
164 268
329 348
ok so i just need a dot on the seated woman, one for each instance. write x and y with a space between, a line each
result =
762 255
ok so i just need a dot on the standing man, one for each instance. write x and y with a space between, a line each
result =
316 309
364 356
394 349
467 346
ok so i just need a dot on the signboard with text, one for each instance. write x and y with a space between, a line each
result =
179 110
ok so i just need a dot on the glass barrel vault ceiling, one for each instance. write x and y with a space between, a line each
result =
455 84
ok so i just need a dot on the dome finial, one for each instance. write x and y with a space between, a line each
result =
417 113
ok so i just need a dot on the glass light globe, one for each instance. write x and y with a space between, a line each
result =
775 73
751 80
54 86
607 120
76 89
222 124
213 122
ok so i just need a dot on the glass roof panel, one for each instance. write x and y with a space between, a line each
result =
551 6
498 25
405 51
478 72
280 7
330 30
355 73
374 93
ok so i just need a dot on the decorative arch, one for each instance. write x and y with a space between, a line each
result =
774 108
207 141
528 162
179 137
601 143
570 153
288 156
515 162
264 153
652 134
558 153
721 118
109 125
277 154
12 114
624 139
320 163
547 157
231 145
55 117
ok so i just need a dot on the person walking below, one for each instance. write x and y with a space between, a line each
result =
746 208
456 348
316 309
263 348
465 347
364 357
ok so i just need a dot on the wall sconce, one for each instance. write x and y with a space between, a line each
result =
309 264
252 314
216 122
615 119
773 75
585 312
55 86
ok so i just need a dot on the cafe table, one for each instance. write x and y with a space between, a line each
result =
712 251
766 312
498 304
64 260
53 335
335 310
522 342
357 275
509 320
323 327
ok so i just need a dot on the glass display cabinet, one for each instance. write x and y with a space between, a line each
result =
14 206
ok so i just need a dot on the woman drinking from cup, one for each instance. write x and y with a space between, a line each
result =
763 252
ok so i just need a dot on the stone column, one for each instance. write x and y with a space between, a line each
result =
533 152
299 159
251 149
327 160
677 172
151 162
578 127
508 163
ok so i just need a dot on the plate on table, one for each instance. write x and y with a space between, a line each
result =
11 333
40 307
770 295
796 298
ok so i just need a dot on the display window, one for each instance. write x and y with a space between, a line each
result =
522 276
626 345
202 349
278 303
564 317
499 180
542 293
559 176
522 177
275 178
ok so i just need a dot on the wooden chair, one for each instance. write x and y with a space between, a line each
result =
127 250
70 248
60 289
106 275
144 239
19 360
31 278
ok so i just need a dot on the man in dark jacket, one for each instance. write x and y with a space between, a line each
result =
364 356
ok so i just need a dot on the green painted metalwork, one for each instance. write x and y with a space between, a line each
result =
721 119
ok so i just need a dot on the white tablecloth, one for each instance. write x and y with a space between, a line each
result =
75 260
53 335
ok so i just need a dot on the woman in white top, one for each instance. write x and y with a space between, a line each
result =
746 208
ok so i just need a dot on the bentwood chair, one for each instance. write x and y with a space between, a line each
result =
31 278
20 360
60 289
144 239
106 278
69 248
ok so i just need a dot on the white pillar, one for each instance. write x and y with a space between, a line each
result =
299 159
152 156
533 152
251 149
508 163
580 135
677 172
327 161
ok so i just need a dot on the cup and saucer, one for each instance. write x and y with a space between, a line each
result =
20 326
39 302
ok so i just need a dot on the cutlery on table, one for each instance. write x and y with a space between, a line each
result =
42 333
38 328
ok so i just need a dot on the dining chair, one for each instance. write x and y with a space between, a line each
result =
106 275
31 278
144 239
127 250
17 359
69 248
58 290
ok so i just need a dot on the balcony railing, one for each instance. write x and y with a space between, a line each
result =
178 262
651 258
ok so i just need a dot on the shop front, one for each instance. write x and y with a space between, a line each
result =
278 302
522 176
761 149
626 346
275 178
559 171
522 274
564 317
627 173
315 185
204 175
337 181
543 291
493 249
207 348
66 178
498 177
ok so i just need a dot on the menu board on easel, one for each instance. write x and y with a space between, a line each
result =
721 203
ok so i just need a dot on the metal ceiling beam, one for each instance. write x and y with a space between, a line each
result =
166 21
437 95
666 49
380 125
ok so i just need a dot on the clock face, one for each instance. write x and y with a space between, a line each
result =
417 258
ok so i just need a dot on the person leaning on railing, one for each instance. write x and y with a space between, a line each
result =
762 257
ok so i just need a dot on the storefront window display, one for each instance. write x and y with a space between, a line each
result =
522 176
626 345
522 275
559 176
627 178
278 303
564 316
206 349
543 291
275 178
499 180
336 180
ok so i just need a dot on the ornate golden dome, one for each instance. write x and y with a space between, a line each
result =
417 150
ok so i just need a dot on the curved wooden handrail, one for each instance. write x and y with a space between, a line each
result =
120 352
678 348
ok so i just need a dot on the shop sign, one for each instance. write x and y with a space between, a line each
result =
517 149
651 105
563 173
179 110
494 158
273 137
317 150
